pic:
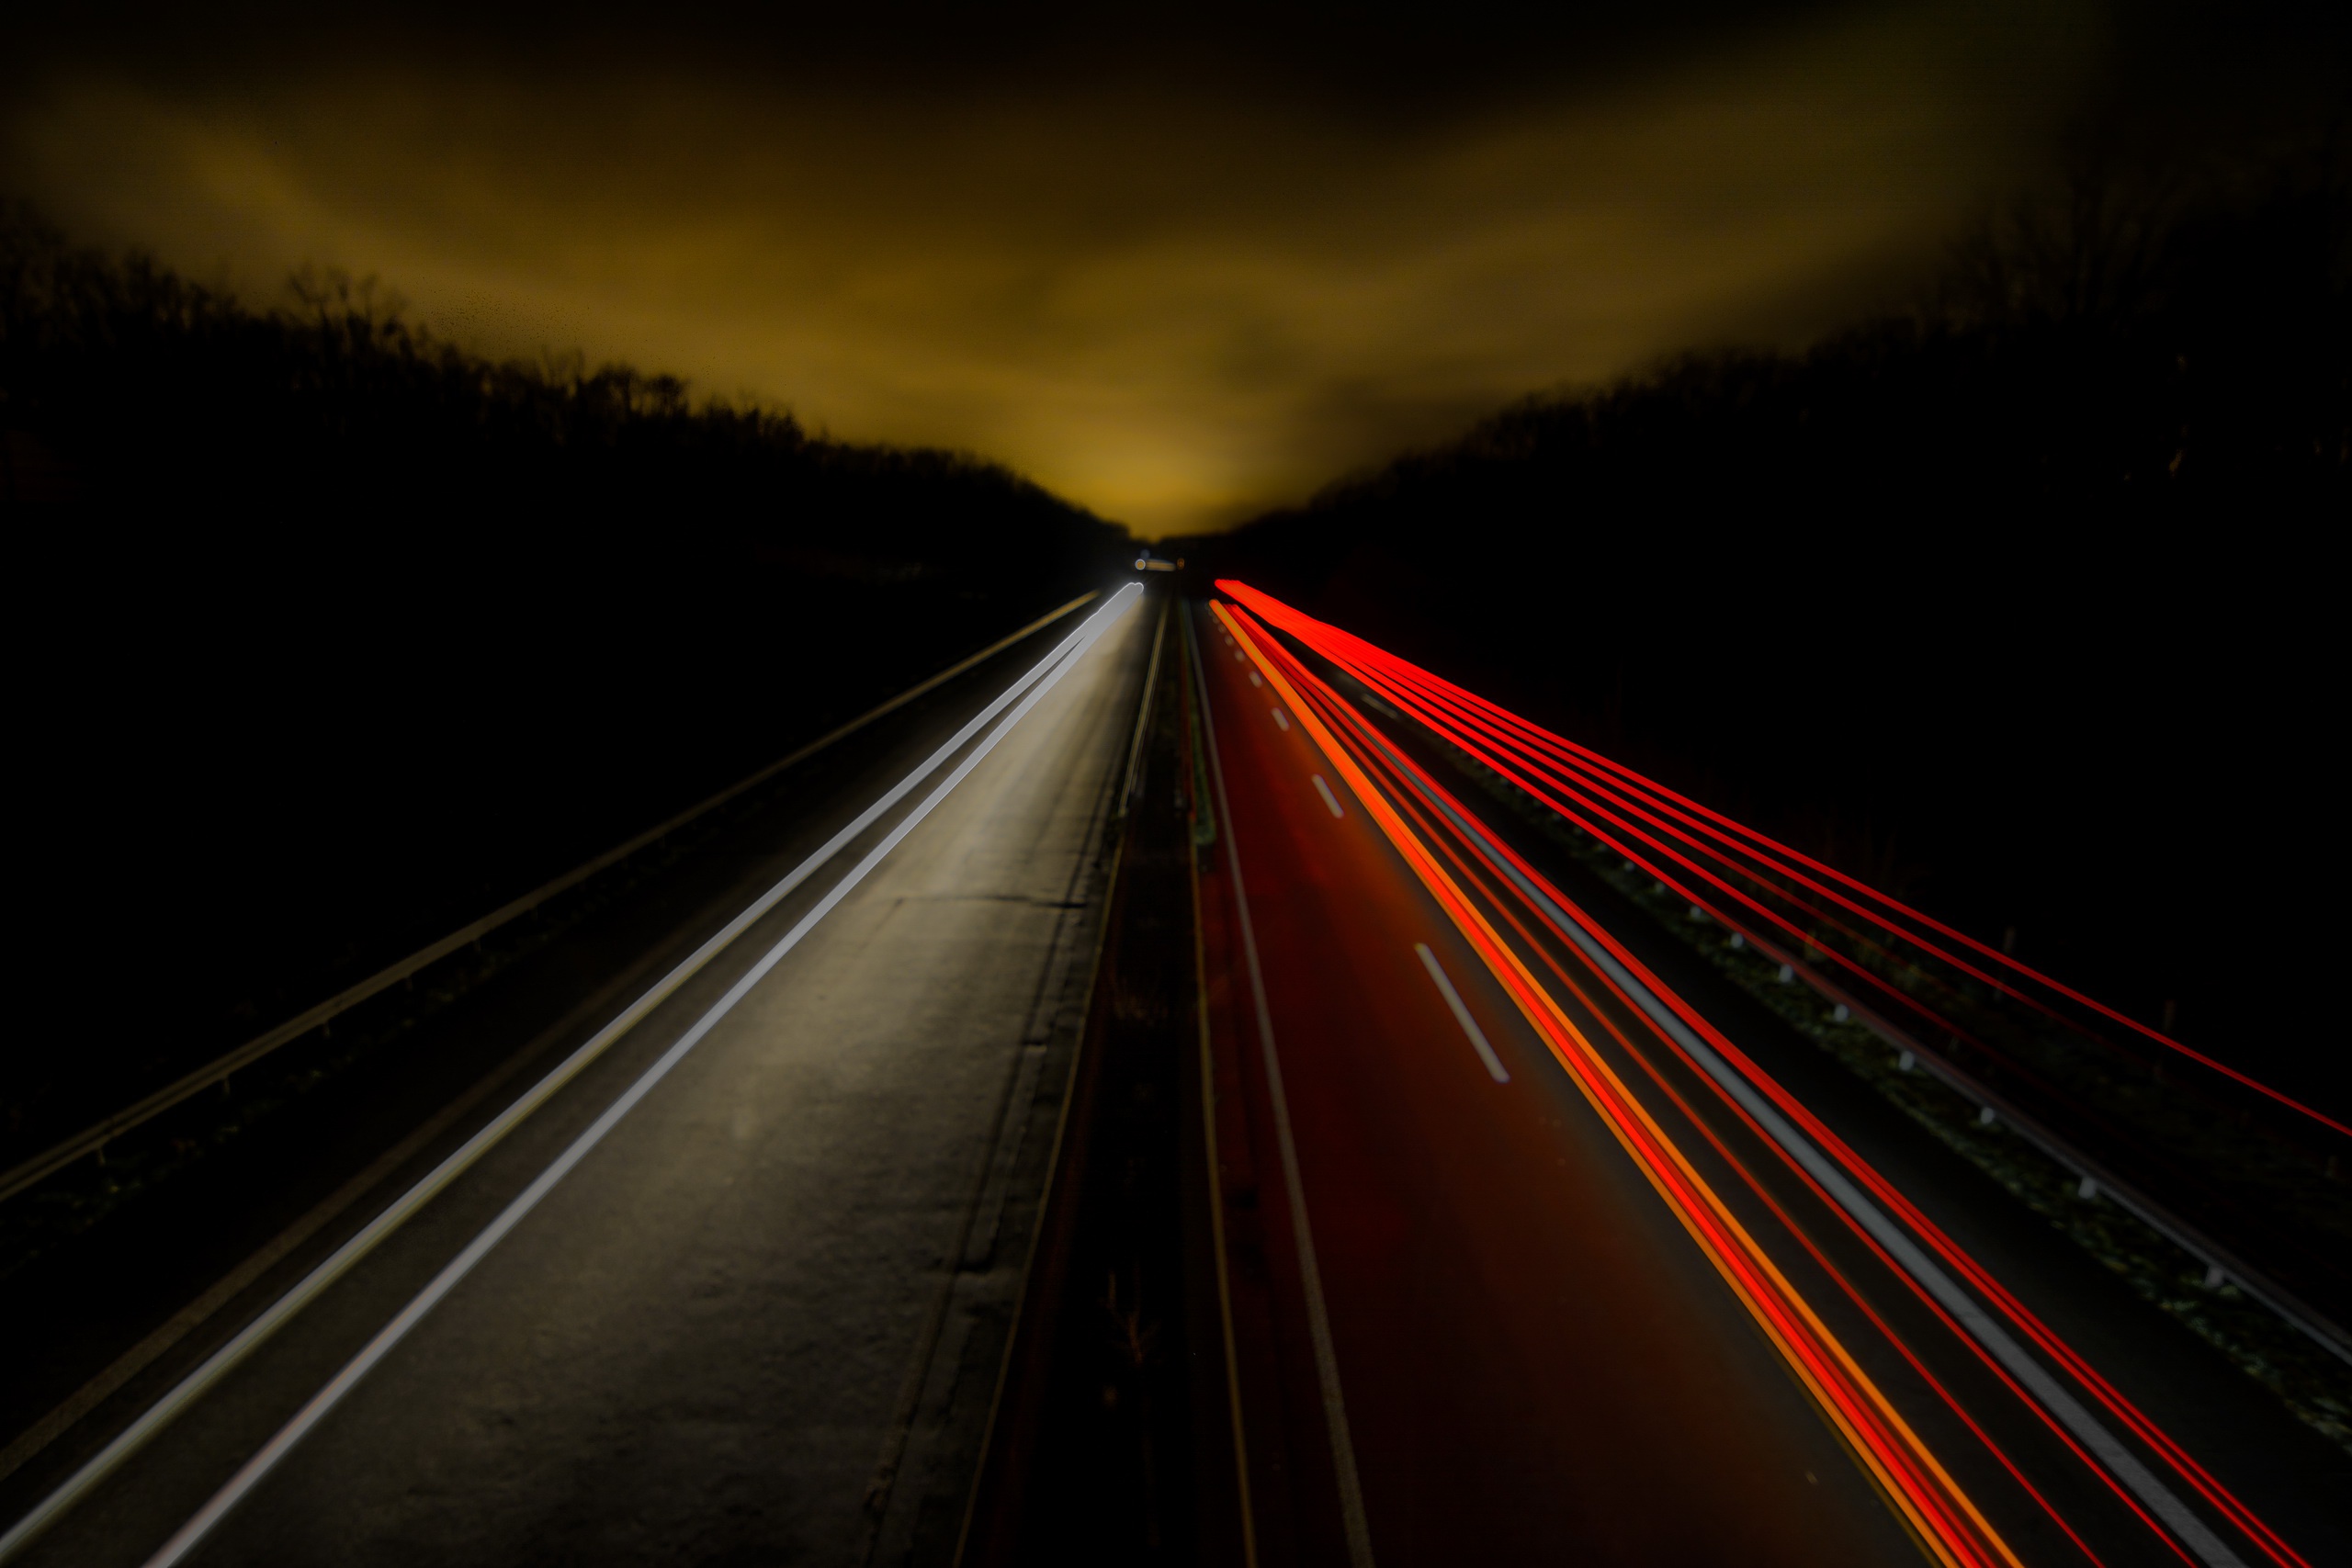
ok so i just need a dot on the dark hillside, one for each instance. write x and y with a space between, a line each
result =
331 637
2026 605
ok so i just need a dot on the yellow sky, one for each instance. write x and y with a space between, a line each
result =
1175 304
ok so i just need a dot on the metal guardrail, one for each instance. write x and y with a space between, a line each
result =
2093 1180
93 1140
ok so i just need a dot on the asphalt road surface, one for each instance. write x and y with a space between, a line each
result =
735 1288
1470 1330
1534 1363
758 1319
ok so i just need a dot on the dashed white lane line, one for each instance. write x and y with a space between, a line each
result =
1328 799
2121 1461
1461 1014
1253 679
1319 1321
1282 720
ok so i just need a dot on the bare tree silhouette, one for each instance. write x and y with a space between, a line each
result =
338 636
2024 580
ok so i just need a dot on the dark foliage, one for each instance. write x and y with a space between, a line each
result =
332 636
2025 604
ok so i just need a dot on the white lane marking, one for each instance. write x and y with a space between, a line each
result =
1318 1319
1328 799
340 1262
2054 1397
1461 1014
190 1534
1282 720
1253 679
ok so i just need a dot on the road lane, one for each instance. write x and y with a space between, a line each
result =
733 1322
1536 1364
1980 1447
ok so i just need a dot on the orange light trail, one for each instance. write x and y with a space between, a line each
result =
1555 754
1442 711
1336 711
1260 645
1926 1497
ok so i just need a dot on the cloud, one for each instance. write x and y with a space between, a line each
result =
1174 303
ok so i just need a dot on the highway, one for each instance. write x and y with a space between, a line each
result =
1527 1244
1528 1261
729 1281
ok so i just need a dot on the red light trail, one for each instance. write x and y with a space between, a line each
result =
1484 889
1930 1501
1514 746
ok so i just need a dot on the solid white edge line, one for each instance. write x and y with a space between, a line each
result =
293 1029
1318 1320
2087 1428
225 1359
1461 1014
1132 780
184 1539
1330 799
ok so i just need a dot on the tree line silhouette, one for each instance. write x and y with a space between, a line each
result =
2020 600
334 635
